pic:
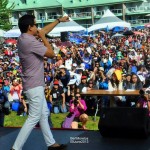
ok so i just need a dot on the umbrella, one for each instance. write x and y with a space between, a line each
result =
11 41
139 27
118 29
129 32
147 25
138 33
117 35
2 32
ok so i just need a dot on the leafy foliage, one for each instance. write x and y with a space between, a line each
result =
5 13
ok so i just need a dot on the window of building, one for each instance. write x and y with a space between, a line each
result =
23 1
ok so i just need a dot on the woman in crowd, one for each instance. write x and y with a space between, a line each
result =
115 83
135 84
72 89
78 106
15 90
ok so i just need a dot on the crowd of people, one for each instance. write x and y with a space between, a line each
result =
100 62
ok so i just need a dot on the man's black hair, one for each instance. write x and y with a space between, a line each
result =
25 21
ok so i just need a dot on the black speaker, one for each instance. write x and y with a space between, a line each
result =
124 122
64 36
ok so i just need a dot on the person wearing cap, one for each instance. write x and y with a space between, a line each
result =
87 59
57 98
71 90
63 75
105 63
82 86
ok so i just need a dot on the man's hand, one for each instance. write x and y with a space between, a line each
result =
41 34
64 19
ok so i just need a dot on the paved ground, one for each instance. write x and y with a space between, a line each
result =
76 140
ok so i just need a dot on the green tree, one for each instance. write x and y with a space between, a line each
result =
5 13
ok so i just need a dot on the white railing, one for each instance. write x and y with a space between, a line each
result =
116 11
80 15
99 13
139 9
139 21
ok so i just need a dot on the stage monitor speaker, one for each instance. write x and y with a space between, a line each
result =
64 36
124 122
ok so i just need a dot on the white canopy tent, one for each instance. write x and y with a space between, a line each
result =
108 20
2 32
13 33
66 26
61 27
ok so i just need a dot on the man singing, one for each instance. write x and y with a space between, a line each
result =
31 52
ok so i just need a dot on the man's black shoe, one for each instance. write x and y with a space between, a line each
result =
57 147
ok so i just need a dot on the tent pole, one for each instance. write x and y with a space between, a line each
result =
123 11
92 15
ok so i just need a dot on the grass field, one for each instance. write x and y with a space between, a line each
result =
12 120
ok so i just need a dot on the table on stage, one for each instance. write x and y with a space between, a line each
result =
111 94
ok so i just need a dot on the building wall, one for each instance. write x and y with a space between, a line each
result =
84 12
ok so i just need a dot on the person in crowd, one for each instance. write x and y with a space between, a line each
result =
57 98
48 77
71 90
6 86
47 96
29 49
16 90
4 105
22 110
115 83
59 61
82 86
135 84
105 63
68 61
78 106
91 101
64 76
142 73
126 81
46 65
142 100
87 59
103 85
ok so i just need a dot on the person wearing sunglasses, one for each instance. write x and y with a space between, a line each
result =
78 106
31 53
